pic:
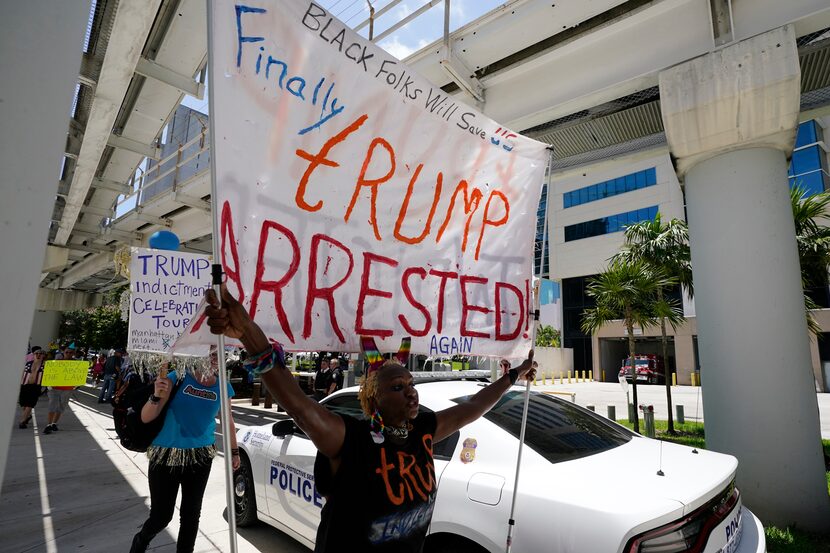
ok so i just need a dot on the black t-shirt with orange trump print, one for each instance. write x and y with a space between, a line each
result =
382 497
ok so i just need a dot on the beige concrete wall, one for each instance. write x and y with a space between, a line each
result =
553 361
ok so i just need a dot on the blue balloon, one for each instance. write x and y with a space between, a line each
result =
164 240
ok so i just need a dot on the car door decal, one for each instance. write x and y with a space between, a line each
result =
468 450
295 481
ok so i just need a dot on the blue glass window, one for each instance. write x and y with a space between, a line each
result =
612 187
806 160
592 193
807 134
651 176
813 183
607 225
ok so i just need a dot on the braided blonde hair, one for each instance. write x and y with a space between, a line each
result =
369 387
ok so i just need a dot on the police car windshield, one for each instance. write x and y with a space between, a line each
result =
557 430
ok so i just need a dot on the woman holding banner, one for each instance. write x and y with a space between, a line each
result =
182 453
386 459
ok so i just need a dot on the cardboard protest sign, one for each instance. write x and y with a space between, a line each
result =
355 198
166 287
65 373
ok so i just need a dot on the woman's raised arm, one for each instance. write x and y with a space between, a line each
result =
325 429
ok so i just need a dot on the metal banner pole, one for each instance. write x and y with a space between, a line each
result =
511 523
217 282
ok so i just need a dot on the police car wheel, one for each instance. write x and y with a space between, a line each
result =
243 494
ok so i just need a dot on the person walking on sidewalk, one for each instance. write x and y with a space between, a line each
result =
112 366
59 396
30 385
182 454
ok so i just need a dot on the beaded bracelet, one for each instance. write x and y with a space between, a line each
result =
265 361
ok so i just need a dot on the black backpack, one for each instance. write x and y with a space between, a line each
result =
134 434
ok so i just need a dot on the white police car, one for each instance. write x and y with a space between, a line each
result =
586 484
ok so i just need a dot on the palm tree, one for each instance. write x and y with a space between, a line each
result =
813 243
663 246
627 290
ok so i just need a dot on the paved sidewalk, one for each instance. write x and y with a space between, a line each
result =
79 490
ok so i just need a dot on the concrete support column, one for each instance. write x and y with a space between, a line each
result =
41 44
753 334
730 120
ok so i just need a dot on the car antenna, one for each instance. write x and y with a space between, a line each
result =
660 465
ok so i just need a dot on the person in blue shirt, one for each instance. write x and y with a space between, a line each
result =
182 453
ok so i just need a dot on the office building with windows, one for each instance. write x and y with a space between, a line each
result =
591 204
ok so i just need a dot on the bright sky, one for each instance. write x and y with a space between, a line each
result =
410 38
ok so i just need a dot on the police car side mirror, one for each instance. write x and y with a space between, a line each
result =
283 428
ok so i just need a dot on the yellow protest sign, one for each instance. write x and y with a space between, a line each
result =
65 373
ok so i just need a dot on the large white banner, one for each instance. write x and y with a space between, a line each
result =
166 288
358 199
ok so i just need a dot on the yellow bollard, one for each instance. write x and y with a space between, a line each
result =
561 380
603 375
583 376
674 379
569 377
590 376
